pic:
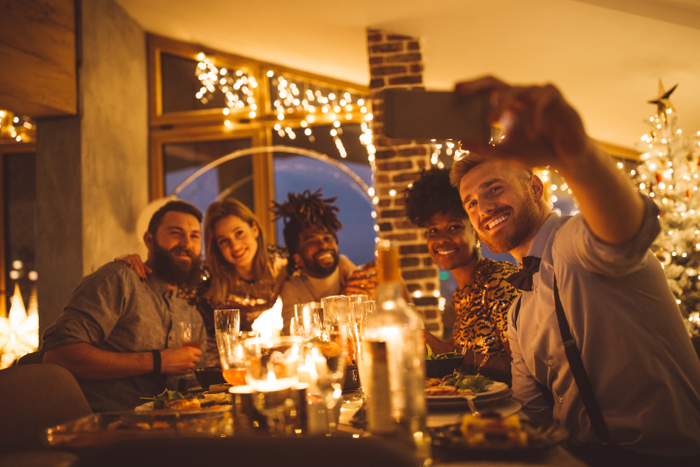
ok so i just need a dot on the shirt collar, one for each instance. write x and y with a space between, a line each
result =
158 285
540 241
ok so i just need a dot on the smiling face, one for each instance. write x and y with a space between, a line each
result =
317 253
174 249
238 242
504 204
451 240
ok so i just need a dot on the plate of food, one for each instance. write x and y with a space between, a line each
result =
494 436
170 402
458 385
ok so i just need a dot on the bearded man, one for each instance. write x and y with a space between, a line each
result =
118 334
597 340
316 269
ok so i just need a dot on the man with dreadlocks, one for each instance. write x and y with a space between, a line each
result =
315 267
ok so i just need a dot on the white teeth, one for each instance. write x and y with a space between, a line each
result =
444 252
497 221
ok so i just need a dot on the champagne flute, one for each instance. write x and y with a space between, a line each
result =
271 372
329 353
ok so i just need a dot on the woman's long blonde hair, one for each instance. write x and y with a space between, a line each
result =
223 274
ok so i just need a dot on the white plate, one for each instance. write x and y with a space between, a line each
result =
217 397
494 390
503 407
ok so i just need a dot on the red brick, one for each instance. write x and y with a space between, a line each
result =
376 60
385 154
430 313
416 68
406 177
386 48
413 249
399 237
406 79
413 45
383 203
419 274
432 326
413 151
376 83
413 287
425 301
387 70
392 213
381 178
402 58
373 36
428 262
394 165
404 224
385 227
398 37
409 262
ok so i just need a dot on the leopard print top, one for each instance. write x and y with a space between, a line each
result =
481 307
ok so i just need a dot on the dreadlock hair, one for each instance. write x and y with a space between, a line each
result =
302 211
432 194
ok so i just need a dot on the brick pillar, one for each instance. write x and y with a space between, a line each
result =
396 62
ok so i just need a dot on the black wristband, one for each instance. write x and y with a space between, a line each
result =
156 361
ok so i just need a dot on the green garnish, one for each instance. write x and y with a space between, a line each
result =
475 384
429 355
168 395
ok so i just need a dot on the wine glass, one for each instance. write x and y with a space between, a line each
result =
328 354
306 322
271 372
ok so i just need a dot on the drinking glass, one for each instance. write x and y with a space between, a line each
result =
271 372
306 322
190 334
233 358
328 354
226 323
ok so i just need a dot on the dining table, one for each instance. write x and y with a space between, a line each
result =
99 429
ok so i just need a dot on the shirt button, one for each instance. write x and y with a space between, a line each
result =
550 362
561 400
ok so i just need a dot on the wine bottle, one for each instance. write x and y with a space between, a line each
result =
393 364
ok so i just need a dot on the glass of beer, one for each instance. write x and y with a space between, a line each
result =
233 358
190 334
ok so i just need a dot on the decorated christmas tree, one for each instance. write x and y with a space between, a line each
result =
669 173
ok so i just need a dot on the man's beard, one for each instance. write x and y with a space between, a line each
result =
316 270
175 272
523 225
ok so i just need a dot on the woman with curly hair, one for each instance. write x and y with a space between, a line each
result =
482 297
244 272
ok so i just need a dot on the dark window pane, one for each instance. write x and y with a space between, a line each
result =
180 85
20 203
296 173
231 179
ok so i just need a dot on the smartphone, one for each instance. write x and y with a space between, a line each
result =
418 114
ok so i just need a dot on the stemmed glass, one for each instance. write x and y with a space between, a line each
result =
271 372
327 356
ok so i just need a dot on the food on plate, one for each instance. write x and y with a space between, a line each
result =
173 400
429 355
492 430
460 383
441 391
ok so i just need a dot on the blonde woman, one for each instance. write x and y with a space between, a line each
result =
243 271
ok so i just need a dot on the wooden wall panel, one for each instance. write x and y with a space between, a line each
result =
38 57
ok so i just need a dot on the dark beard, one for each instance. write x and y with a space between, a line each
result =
525 223
173 272
316 270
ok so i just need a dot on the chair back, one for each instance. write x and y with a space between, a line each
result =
35 397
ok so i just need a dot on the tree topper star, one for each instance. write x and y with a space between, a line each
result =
663 102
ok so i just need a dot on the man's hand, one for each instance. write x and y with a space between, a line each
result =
175 362
540 127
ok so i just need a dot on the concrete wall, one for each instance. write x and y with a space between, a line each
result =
92 170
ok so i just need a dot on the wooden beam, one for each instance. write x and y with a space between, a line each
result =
38 56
